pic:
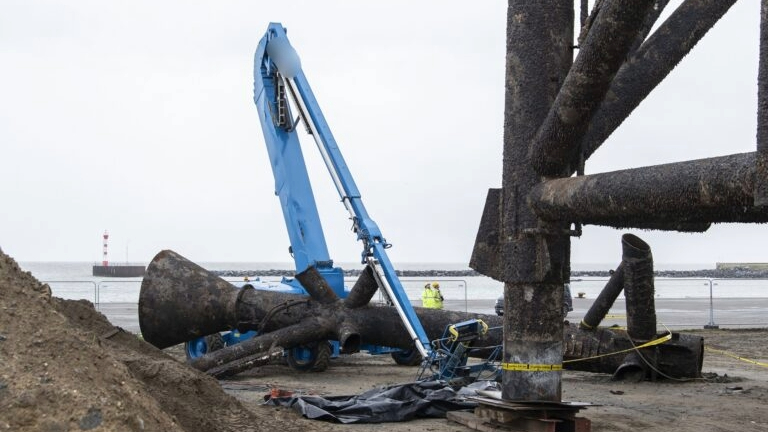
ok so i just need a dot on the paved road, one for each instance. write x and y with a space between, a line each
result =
686 313
673 313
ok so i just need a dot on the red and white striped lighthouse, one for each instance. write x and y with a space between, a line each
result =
116 270
105 261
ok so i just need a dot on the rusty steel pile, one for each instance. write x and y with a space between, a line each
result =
558 112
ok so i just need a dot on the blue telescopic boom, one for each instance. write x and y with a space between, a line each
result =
278 77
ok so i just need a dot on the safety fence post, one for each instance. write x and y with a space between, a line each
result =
711 324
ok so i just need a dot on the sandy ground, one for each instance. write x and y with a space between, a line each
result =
65 367
733 395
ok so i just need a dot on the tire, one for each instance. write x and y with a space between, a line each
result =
410 357
314 357
203 345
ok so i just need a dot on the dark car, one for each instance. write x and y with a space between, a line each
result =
567 302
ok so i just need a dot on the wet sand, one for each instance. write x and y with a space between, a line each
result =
690 313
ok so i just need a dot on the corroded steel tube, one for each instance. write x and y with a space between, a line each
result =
180 301
610 37
363 290
533 266
605 350
316 286
652 62
761 187
650 21
717 189
652 16
604 300
212 302
638 287
311 329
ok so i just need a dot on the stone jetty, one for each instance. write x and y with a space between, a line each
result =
721 273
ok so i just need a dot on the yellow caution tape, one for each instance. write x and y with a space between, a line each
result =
658 341
525 367
726 353
615 316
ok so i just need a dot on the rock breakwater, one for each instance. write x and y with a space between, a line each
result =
732 273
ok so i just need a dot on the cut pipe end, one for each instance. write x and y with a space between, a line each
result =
634 246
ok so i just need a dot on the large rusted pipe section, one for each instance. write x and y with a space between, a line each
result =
287 320
650 64
591 350
640 304
212 304
761 162
180 301
604 300
363 291
534 262
610 37
651 17
650 20
706 190
635 276
638 287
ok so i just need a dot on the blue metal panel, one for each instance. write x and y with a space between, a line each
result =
292 183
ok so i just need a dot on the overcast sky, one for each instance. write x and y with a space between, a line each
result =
137 117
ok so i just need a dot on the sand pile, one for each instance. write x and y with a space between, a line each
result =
64 367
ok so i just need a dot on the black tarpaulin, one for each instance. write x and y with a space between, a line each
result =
396 403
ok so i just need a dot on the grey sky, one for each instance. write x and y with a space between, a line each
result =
137 117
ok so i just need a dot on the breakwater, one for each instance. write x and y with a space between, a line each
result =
348 273
119 270
723 273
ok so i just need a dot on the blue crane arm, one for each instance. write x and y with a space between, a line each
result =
292 184
278 79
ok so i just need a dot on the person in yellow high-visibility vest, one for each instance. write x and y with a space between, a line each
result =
431 297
